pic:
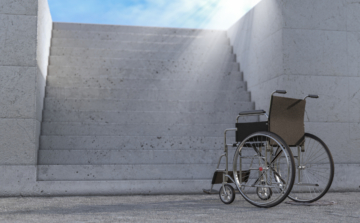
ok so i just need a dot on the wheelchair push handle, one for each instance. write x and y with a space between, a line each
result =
312 96
280 92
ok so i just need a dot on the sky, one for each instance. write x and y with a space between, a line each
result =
203 14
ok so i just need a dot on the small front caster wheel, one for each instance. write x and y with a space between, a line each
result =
264 193
227 194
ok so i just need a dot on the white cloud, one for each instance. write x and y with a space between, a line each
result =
211 14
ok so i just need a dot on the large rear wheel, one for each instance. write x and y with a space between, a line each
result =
315 170
270 166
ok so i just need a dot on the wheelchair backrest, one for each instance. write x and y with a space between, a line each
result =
286 118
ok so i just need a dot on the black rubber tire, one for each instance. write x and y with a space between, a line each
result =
230 189
332 170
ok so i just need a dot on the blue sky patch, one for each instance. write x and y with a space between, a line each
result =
210 14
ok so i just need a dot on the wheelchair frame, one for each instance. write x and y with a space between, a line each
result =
224 176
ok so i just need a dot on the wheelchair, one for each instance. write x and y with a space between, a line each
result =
275 159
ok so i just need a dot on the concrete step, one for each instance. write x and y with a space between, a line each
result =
141 38
135 29
118 117
160 142
221 55
71 72
116 45
125 172
137 37
116 187
146 105
146 94
142 64
145 129
137 105
153 84
128 157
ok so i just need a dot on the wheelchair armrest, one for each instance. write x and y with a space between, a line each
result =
254 112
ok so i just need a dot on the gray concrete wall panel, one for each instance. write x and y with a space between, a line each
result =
18 46
354 99
340 144
19 144
19 7
353 15
17 86
353 52
20 113
316 15
315 52
268 69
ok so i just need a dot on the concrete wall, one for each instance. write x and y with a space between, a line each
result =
308 46
25 30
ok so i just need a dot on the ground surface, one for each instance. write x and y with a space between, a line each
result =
172 208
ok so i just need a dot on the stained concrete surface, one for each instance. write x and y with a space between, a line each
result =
172 208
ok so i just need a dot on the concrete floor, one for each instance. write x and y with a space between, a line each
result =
172 208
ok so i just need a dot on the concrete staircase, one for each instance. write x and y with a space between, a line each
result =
136 109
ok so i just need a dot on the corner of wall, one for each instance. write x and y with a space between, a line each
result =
258 44
44 32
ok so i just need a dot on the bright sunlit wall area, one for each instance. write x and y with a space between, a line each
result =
197 14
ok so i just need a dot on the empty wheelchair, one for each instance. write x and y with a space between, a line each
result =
275 159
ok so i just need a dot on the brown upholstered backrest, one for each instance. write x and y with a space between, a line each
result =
286 118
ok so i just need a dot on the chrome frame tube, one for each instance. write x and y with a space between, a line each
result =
226 172
240 166
299 164
217 168
230 178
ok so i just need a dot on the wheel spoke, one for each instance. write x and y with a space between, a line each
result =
271 183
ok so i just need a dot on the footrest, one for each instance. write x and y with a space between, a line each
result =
210 191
